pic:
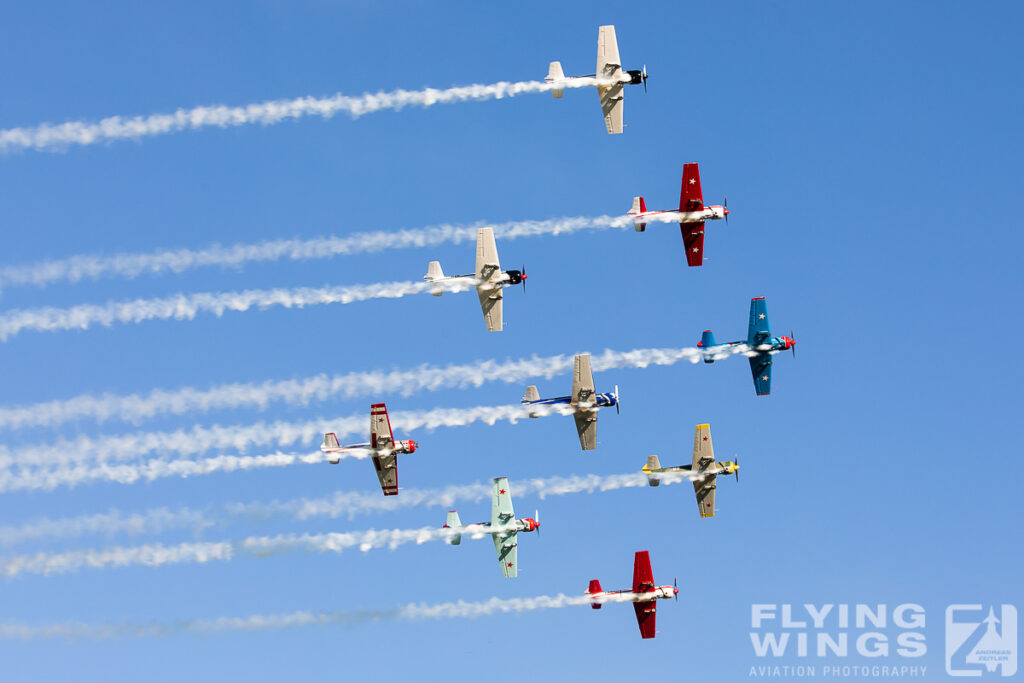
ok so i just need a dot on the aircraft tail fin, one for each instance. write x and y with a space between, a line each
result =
331 441
555 73
653 464
453 522
434 273
531 394
595 587
639 206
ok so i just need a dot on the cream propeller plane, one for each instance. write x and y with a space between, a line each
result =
490 279
609 70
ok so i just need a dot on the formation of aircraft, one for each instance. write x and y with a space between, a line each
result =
382 446
489 277
691 214
644 594
609 70
489 280
760 346
503 528
704 471
584 401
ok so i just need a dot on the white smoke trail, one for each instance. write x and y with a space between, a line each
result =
64 453
187 306
60 136
137 407
130 265
340 504
460 609
158 554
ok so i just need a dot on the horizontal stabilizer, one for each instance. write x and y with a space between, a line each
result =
434 273
555 73
653 465
639 206
595 587
453 522
331 442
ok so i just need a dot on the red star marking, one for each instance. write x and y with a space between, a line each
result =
509 564
501 491
707 505
705 438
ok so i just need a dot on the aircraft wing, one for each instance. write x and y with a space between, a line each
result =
643 582
490 304
609 66
705 490
380 427
761 369
583 392
690 196
645 616
501 503
758 329
582 380
586 428
508 556
488 272
693 240
387 473
703 452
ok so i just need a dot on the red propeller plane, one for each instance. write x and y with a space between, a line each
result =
691 214
644 594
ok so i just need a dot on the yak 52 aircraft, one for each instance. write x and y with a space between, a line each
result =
759 345
489 276
583 400
503 528
383 448
704 470
644 593
609 68
691 214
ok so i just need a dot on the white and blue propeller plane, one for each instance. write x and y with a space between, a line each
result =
584 401
759 346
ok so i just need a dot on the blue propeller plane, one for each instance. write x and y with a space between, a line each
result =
584 401
760 346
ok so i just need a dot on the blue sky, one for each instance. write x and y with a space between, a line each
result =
870 156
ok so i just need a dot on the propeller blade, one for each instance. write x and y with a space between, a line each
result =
793 346
644 77
725 205
736 472
524 278
676 587
536 518
617 399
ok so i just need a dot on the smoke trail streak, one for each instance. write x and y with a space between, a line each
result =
129 265
187 306
158 554
340 504
460 609
137 407
49 136
126 447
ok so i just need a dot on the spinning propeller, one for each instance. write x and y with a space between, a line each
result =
675 589
643 77
524 278
736 471
617 403
792 346
536 520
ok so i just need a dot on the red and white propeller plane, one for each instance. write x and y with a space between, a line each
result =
644 594
382 447
691 214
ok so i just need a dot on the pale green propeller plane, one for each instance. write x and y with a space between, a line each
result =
503 528
703 472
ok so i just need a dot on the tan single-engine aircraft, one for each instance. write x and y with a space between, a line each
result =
584 401
609 69
382 447
703 472
489 276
